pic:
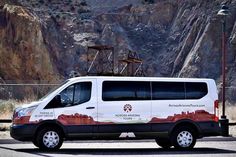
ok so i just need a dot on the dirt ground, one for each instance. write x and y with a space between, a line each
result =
232 131
5 135
231 115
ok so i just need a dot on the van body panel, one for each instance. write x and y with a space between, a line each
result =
98 118
26 132
111 113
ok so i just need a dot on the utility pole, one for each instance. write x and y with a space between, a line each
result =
224 122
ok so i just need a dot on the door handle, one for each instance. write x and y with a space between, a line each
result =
90 107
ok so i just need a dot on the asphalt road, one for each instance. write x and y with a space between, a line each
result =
210 147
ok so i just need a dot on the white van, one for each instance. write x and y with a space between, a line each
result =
174 111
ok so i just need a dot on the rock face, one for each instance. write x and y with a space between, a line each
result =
23 53
179 38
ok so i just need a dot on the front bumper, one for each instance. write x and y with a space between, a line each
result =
24 132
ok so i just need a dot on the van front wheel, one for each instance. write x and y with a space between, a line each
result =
183 137
49 139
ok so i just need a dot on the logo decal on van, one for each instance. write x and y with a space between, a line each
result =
127 134
127 108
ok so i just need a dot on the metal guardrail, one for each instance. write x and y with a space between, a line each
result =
231 124
24 91
5 120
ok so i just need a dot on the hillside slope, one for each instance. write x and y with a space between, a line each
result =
180 38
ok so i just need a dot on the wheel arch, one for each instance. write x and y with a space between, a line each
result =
186 122
50 123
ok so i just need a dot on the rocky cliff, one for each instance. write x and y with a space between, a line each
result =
23 53
47 39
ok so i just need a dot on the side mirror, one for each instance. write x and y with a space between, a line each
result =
58 99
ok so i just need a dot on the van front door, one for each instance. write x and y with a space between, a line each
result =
124 108
77 108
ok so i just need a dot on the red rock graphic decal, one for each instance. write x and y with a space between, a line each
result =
199 115
79 119
21 120
24 120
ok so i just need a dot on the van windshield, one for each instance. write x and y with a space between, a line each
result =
53 89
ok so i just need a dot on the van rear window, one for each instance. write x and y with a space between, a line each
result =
195 90
168 90
135 90
125 90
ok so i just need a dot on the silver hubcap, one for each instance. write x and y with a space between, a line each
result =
50 139
184 139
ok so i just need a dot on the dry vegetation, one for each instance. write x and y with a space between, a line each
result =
6 110
7 107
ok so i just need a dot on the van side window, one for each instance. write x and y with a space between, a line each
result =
82 92
67 95
125 90
73 95
195 90
168 90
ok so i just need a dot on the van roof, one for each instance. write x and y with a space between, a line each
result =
141 78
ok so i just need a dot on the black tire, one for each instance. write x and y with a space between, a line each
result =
164 143
49 138
183 137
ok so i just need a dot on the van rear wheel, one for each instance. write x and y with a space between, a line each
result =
183 137
49 139
164 143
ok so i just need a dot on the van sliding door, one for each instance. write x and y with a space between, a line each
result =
123 106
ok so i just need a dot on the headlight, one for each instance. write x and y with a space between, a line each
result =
26 111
